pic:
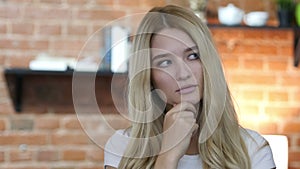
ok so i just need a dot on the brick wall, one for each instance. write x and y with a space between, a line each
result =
259 67
258 64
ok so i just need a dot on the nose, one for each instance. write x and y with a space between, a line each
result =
183 71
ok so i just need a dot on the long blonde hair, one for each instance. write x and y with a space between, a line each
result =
220 142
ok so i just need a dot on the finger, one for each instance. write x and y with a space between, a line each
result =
185 114
184 106
195 129
181 110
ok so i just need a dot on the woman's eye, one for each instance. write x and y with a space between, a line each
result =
193 56
164 63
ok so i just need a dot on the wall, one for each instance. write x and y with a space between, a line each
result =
258 64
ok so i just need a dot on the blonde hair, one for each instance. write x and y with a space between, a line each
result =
220 142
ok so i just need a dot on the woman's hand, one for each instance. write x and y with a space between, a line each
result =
179 125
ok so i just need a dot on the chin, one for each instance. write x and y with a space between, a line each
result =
193 101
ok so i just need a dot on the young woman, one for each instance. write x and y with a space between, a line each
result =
179 103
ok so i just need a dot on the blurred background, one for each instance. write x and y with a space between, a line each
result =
39 128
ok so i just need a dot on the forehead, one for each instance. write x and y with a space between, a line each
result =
171 37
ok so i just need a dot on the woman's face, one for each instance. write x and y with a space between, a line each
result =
176 68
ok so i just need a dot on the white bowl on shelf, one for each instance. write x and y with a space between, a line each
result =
230 15
256 18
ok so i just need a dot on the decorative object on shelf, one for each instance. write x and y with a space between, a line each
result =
297 14
47 62
285 10
199 7
256 18
230 15
117 46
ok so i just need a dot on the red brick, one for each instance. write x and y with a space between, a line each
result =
248 124
267 49
293 167
256 64
73 45
278 96
21 1
33 12
74 155
48 155
283 112
96 154
71 123
249 109
22 28
252 95
23 123
151 3
298 142
18 61
99 14
10 11
230 63
3 28
254 34
26 166
23 138
77 30
20 156
3 123
51 1
129 3
6 108
290 80
2 156
101 2
291 127
226 33
296 97
23 44
286 51
2 61
294 156
268 128
277 65
243 47
256 79
69 139
45 122
277 34
50 30
78 2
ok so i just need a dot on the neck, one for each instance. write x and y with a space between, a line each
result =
193 147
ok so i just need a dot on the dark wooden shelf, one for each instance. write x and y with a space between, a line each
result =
41 91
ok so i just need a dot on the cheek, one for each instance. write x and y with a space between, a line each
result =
160 79
198 74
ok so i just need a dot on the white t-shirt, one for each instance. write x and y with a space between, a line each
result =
261 158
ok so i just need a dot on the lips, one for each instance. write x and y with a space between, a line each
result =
186 89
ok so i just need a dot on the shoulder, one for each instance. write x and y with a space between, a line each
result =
259 150
117 143
253 138
115 148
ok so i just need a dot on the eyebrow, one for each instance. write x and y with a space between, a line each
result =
193 48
